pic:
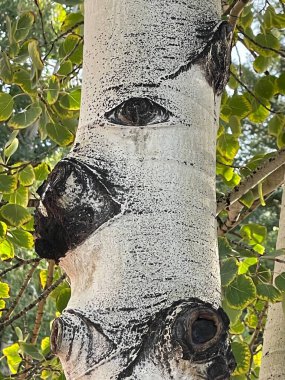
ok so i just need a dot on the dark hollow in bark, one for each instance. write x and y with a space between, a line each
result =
75 201
188 334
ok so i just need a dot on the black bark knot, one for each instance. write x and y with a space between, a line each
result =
202 333
75 201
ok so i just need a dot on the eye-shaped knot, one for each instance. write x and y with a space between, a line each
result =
138 112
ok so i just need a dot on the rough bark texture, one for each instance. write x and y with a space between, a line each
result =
130 212
273 354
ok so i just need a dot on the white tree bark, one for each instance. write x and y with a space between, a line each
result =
131 211
273 353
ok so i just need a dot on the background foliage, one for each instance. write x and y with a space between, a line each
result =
40 79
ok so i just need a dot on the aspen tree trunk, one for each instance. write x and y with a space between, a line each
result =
273 354
130 213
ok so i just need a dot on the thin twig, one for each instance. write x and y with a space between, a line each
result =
19 264
41 304
44 294
279 52
20 293
61 36
253 94
42 21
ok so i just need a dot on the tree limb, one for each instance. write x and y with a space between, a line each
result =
42 303
259 174
44 294
236 11
235 215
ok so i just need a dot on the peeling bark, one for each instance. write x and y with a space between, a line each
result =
130 213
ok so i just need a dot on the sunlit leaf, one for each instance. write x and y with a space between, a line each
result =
24 25
7 251
60 134
240 292
15 215
26 118
6 106
242 355
27 175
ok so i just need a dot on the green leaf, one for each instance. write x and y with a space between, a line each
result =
11 148
34 53
43 277
62 299
25 119
42 171
281 140
267 41
22 78
242 355
6 106
20 196
3 231
27 175
6 71
233 314
59 134
24 25
261 64
235 125
239 106
237 328
280 282
53 89
71 20
253 233
265 87
246 263
268 292
65 68
227 146
4 290
8 183
229 269
31 350
225 248
13 357
240 292
45 345
247 199
251 320
276 124
15 215
22 238
71 101
281 84
72 48
6 250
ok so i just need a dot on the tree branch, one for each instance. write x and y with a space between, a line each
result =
259 174
41 304
279 52
18 265
235 215
20 293
42 21
44 294
236 11
253 94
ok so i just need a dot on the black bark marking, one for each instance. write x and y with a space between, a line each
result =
176 327
71 212
214 55
138 112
